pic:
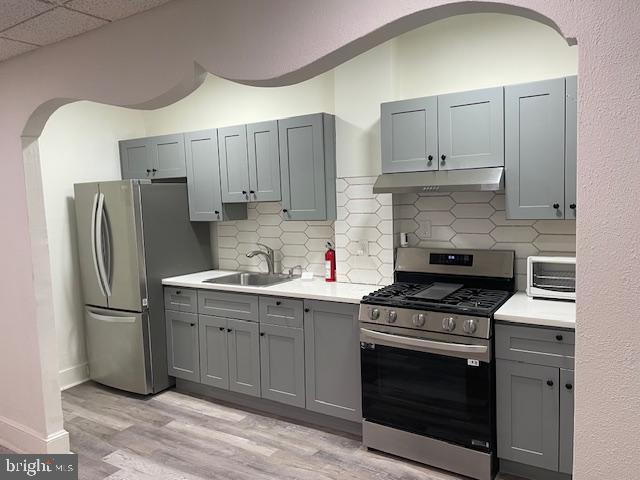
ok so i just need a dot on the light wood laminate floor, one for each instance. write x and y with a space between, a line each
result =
173 436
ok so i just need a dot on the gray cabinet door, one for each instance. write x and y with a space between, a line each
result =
182 344
527 412
282 364
534 150
566 420
571 149
332 359
244 357
135 159
409 135
214 356
167 153
303 170
264 162
234 163
203 176
471 129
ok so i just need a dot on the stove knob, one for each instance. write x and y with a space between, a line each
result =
392 317
374 314
470 326
419 319
448 323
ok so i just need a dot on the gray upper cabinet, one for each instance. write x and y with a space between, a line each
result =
244 357
282 364
527 407
471 129
182 345
535 150
566 420
214 356
332 359
135 158
234 163
409 135
571 141
153 157
203 180
307 165
264 162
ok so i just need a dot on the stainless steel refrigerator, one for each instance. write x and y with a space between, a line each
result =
131 234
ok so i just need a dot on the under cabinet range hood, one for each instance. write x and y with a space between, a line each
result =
469 180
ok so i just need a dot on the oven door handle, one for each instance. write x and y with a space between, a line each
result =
419 344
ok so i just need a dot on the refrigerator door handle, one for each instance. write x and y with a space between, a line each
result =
94 253
112 318
100 219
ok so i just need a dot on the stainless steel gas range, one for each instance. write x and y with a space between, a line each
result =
428 376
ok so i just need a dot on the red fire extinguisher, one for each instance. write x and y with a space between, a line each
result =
330 264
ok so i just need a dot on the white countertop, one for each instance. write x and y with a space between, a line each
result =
316 289
549 313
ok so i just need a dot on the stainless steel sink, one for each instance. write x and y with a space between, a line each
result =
252 279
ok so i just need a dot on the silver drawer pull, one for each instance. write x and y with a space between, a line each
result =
391 339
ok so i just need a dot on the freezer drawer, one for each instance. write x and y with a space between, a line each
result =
118 349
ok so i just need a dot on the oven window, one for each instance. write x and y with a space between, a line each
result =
434 395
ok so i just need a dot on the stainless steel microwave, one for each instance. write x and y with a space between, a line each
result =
551 277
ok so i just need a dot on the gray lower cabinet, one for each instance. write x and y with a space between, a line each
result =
244 357
566 421
153 157
203 180
471 129
182 345
282 364
332 359
571 147
214 351
409 135
534 397
308 167
528 413
535 150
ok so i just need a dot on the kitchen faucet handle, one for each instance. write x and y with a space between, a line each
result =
293 269
266 247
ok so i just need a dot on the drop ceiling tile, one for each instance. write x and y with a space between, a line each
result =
16 11
11 48
113 9
53 26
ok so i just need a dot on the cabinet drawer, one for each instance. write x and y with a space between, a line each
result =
281 311
230 305
541 346
180 299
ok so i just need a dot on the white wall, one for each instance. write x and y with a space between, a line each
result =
78 144
219 102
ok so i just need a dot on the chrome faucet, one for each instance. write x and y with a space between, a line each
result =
267 253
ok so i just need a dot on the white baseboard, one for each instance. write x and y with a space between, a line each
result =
22 439
72 376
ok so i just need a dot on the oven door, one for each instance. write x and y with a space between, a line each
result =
429 385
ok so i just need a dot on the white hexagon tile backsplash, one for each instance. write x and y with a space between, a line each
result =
367 227
477 220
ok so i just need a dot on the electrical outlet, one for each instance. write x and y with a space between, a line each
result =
425 229
363 248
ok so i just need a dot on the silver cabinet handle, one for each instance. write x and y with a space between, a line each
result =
391 340
94 253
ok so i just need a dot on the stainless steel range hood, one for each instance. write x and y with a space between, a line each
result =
470 180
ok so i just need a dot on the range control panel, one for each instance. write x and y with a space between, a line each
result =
466 325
